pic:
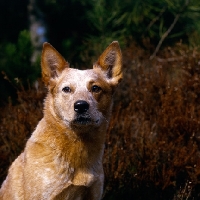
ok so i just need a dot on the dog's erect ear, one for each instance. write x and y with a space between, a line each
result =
52 63
110 63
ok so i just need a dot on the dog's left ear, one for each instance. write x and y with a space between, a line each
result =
110 63
52 63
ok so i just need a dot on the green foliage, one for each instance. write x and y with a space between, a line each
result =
15 61
103 19
152 18
86 27
81 30
149 19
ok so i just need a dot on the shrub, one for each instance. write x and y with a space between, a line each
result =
147 22
152 148
15 60
75 26
16 68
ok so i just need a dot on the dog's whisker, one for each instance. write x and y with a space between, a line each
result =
105 118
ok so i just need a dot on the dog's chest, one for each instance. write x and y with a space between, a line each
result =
77 187
77 175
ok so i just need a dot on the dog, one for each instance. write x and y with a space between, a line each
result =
62 159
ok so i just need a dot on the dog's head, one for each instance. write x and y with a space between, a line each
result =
81 97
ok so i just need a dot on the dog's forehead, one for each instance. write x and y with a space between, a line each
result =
79 76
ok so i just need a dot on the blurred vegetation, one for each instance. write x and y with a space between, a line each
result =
153 139
76 26
17 71
80 30
15 60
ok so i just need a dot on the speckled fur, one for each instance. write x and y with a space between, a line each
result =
63 159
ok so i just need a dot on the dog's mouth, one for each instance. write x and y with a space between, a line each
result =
84 120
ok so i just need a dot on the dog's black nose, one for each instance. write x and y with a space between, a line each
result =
81 106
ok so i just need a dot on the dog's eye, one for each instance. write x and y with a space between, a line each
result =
96 89
66 89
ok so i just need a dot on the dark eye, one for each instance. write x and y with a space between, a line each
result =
66 89
95 89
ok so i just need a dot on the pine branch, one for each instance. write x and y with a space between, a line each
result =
164 36
156 18
169 30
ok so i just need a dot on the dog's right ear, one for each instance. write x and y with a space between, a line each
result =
52 63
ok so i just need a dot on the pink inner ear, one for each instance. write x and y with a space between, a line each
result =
110 58
54 73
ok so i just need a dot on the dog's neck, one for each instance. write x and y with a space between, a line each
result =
67 142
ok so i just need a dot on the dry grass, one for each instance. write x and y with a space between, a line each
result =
152 145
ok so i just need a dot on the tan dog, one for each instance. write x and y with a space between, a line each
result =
63 157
